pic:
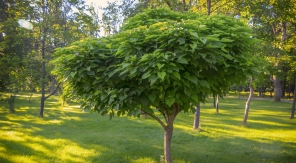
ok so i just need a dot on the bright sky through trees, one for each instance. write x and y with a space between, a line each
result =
102 3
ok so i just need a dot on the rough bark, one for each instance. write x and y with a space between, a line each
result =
209 6
284 86
196 117
294 102
43 31
248 103
168 133
42 78
277 89
52 87
214 102
217 104
168 128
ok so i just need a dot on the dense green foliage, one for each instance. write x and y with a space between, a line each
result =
160 58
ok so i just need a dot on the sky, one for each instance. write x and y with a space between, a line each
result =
102 3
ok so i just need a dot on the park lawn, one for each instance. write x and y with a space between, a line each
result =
65 134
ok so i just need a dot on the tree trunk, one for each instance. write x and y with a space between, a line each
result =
42 86
53 81
209 6
284 87
277 89
294 102
196 116
248 102
217 104
168 133
168 128
214 101
43 62
31 94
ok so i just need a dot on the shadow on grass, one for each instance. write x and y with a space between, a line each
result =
68 135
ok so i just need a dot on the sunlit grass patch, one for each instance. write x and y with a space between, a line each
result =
66 134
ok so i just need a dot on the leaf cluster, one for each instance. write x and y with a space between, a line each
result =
159 59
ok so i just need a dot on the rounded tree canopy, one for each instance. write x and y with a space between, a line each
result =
159 59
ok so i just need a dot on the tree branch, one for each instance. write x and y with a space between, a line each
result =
53 92
169 4
156 118
163 114
213 9
184 5
271 79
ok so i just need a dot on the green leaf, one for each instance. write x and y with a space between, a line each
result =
152 97
195 98
111 73
181 40
73 74
153 79
91 73
226 40
203 40
193 46
187 91
148 110
173 39
193 79
88 68
182 60
193 34
161 75
146 75
93 65
204 83
116 107
169 101
133 70
109 46
144 101
103 68
177 75
159 65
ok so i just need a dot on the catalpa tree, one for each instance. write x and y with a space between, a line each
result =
161 61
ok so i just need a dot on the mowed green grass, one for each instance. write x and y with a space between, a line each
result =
66 134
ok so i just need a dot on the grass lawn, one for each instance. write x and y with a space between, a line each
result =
66 134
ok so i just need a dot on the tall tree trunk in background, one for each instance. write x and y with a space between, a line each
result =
277 88
284 85
248 102
53 81
214 101
197 108
217 104
294 101
196 116
209 6
44 29
275 78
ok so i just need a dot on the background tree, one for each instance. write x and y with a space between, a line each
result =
273 19
30 31
160 61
